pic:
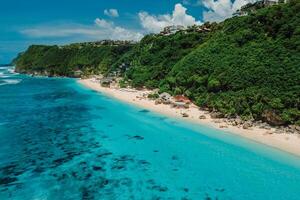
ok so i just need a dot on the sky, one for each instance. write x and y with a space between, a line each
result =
26 22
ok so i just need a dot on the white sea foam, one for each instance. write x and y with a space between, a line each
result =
8 72
11 70
10 81
3 75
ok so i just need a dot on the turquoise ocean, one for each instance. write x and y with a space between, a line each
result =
61 141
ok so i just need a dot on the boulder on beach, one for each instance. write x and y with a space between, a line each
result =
237 121
223 126
185 115
158 101
294 128
247 125
202 117
216 115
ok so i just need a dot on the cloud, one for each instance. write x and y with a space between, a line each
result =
155 24
105 29
101 29
116 32
111 12
218 10
102 23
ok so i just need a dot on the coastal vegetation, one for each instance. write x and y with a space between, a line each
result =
90 58
246 66
153 58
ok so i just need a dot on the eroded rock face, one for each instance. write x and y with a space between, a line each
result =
216 115
272 118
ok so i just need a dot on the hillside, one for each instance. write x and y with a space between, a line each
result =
245 66
91 58
251 67
155 56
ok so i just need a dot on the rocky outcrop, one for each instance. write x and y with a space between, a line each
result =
235 121
293 129
247 125
272 118
216 115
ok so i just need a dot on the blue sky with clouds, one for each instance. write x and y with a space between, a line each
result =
25 22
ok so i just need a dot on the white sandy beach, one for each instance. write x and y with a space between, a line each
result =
284 141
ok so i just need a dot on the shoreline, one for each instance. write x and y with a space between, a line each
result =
289 143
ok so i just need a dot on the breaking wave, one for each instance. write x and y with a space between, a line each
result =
3 75
7 72
11 70
10 81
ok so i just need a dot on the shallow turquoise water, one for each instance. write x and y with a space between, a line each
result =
59 140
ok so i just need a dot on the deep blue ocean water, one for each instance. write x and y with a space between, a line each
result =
59 140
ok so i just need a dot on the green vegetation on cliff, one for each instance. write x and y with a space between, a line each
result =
91 58
155 56
251 67
247 66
